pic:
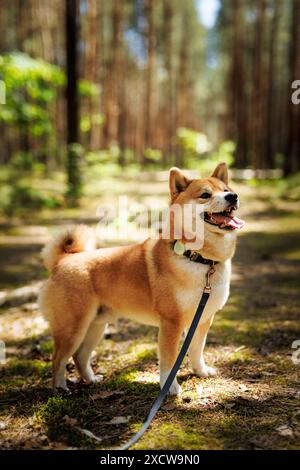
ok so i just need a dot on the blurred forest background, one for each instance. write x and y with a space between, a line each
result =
97 87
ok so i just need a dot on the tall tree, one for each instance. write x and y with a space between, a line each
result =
169 110
93 65
150 73
238 99
272 97
72 101
258 86
112 79
292 161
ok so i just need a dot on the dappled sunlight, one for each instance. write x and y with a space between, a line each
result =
21 325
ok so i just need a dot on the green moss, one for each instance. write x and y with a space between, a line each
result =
51 417
242 356
47 347
147 355
27 367
128 380
10 383
172 436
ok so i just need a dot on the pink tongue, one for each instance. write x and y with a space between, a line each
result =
225 221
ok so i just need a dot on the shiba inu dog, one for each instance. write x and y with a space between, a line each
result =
147 282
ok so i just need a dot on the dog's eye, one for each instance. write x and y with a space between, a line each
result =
226 190
205 196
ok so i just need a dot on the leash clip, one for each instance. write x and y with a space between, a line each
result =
209 273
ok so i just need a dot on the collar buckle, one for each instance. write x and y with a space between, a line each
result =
194 256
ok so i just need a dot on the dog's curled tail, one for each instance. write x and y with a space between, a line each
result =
70 240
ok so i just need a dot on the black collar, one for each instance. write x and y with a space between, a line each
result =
196 257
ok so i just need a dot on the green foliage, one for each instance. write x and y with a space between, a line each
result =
225 153
285 188
291 188
22 197
88 89
153 156
22 191
192 145
31 86
192 142
105 163
195 150
86 121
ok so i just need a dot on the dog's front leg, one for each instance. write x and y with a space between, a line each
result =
196 350
170 332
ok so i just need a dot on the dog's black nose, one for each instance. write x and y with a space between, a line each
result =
231 197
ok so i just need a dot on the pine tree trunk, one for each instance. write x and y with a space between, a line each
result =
238 107
112 79
72 101
182 85
292 158
259 89
272 131
150 75
170 125
92 67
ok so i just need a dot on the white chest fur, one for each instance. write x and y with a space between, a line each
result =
189 295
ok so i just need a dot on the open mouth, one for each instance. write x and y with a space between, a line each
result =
224 220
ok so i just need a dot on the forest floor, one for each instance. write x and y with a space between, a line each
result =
253 402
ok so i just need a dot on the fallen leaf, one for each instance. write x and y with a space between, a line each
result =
43 438
228 406
2 426
119 420
199 390
89 434
243 388
169 406
70 421
239 348
285 431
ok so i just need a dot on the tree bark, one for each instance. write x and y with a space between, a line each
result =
273 131
182 84
238 112
259 90
170 125
72 100
292 158
112 79
150 74
92 65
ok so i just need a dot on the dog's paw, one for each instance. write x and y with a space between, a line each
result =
175 389
95 379
61 391
206 371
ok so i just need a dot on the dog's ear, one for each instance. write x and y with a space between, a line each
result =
221 172
177 182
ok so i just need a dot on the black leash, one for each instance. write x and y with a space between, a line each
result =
164 391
